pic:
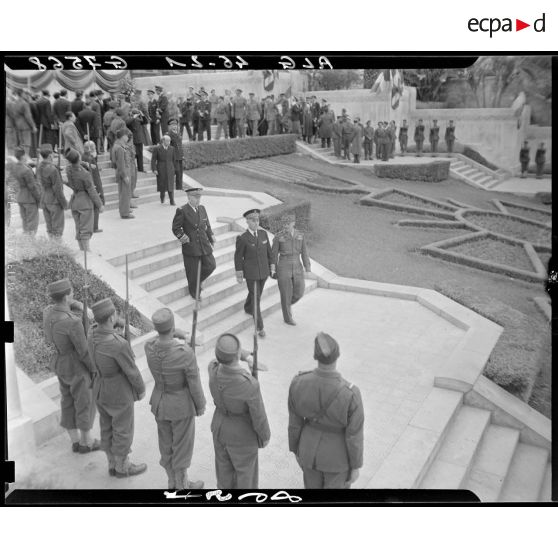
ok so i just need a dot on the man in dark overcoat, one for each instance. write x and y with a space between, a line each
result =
176 144
162 108
524 158
162 165
192 227
28 193
154 118
253 262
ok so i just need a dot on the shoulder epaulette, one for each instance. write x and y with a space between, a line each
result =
305 372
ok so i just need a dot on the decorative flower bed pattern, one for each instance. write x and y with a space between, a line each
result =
535 214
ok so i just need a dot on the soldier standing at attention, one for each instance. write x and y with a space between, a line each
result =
222 117
434 137
162 109
253 261
28 194
346 136
419 137
270 111
192 227
450 136
239 106
385 141
392 137
540 160
176 144
121 158
368 140
524 159
154 120
326 419
72 365
53 201
288 247
403 137
90 161
83 200
253 114
176 400
239 423
203 109
117 385
336 135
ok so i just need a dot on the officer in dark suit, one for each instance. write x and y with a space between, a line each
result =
163 109
253 261
434 137
117 385
403 137
524 158
176 144
154 120
203 112
326 419
87 120
135 123
177 398
46 118
192 227
64 330
450 136
239 426
419 137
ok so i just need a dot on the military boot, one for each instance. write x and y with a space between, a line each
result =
111 464
182 482
172 479
125 468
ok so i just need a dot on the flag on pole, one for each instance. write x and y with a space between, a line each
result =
396 87
269 77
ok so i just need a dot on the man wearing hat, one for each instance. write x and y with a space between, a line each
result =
53 202
46 118
71 137
271 115
28 194
222 116
176 400
60 107
419 137
203 112
163 166
154 119
162 108
239 425
63 328
449 136
253 261
135 123
288 248
117 385
326 419
253 114
176 144
434 138
77 104
403 137
192 227
87 122
123 160
239 106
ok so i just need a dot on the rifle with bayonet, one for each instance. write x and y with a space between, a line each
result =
255 314
196 309
127 308
85 317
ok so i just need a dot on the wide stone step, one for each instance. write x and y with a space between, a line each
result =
111 195
450 468
545 494
143 199
409 460
284 169
238 320
111 184
491 184
492 463
526 474
477 176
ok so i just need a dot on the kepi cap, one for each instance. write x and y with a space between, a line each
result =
163 320
45 149
72 155
103 309
326 349
226 348
247 214
150 91
62 286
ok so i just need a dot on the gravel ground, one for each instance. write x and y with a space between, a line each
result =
495 251
508 226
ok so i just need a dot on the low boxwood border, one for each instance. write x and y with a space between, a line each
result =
434 171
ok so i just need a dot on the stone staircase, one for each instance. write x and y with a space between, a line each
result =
452 445
159 270
475 174
280 171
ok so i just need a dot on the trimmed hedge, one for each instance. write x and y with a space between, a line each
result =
476 156
41 262
204 153
435 171
270 218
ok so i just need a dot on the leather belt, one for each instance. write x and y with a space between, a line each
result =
169 389
325 427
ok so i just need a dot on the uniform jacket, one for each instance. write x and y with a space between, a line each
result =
253 257
87 117
286 252
356 140
152 110
253 110
403 132
60 107
307 122
524 156
325 124
368 133
71 137
96 108
176 144
419 132
118 381
335 444
178 392
22 115
346 129
239 105
51 185
34 110
195 224
28 191
203 109
434 133
64 330
120 156
90 163
450 133
76 106
45 113
270 111
163 107
163 161
85 195
136 127
117 123
239 418
336 130
540 156
222 112
295 112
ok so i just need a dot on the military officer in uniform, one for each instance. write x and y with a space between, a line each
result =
192 227
162 109
28 194
326 419
239 423
524 158
154 119
122 160
53 202
176 400
419 137
434 137
176 144
540 160
288 248
403 137
253 261
253 115
203 110
450 136
117 385
64 329
238 112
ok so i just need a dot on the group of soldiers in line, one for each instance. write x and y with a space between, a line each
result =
525 158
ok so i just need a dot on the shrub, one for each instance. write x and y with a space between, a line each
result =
435 171
203 153
476 156
270 219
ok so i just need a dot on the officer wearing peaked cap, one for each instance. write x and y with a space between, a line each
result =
118 384
176 400
326 419
64 329
239 423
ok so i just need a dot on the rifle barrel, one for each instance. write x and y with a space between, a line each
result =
127 308
196 308
255 313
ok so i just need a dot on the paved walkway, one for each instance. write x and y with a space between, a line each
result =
524 186
389 348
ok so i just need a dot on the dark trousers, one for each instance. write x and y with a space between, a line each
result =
346 146
434 146
83 219
139 155
54 219
195 126
319 479
178 170
208 266
176 442
450 143
204 125
171 196
540 169
385 151
337 146
117 428
291 290
403 144
155 130
235 466
524 166
419 144
95 218
232 128
326 141
186 124
249 303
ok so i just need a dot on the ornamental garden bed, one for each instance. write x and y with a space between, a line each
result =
534 214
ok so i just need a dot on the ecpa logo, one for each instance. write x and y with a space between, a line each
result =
494 24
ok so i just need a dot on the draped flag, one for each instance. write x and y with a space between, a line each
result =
396 87
269 77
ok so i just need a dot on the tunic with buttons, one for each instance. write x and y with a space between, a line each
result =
53 201
28 191
332 443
